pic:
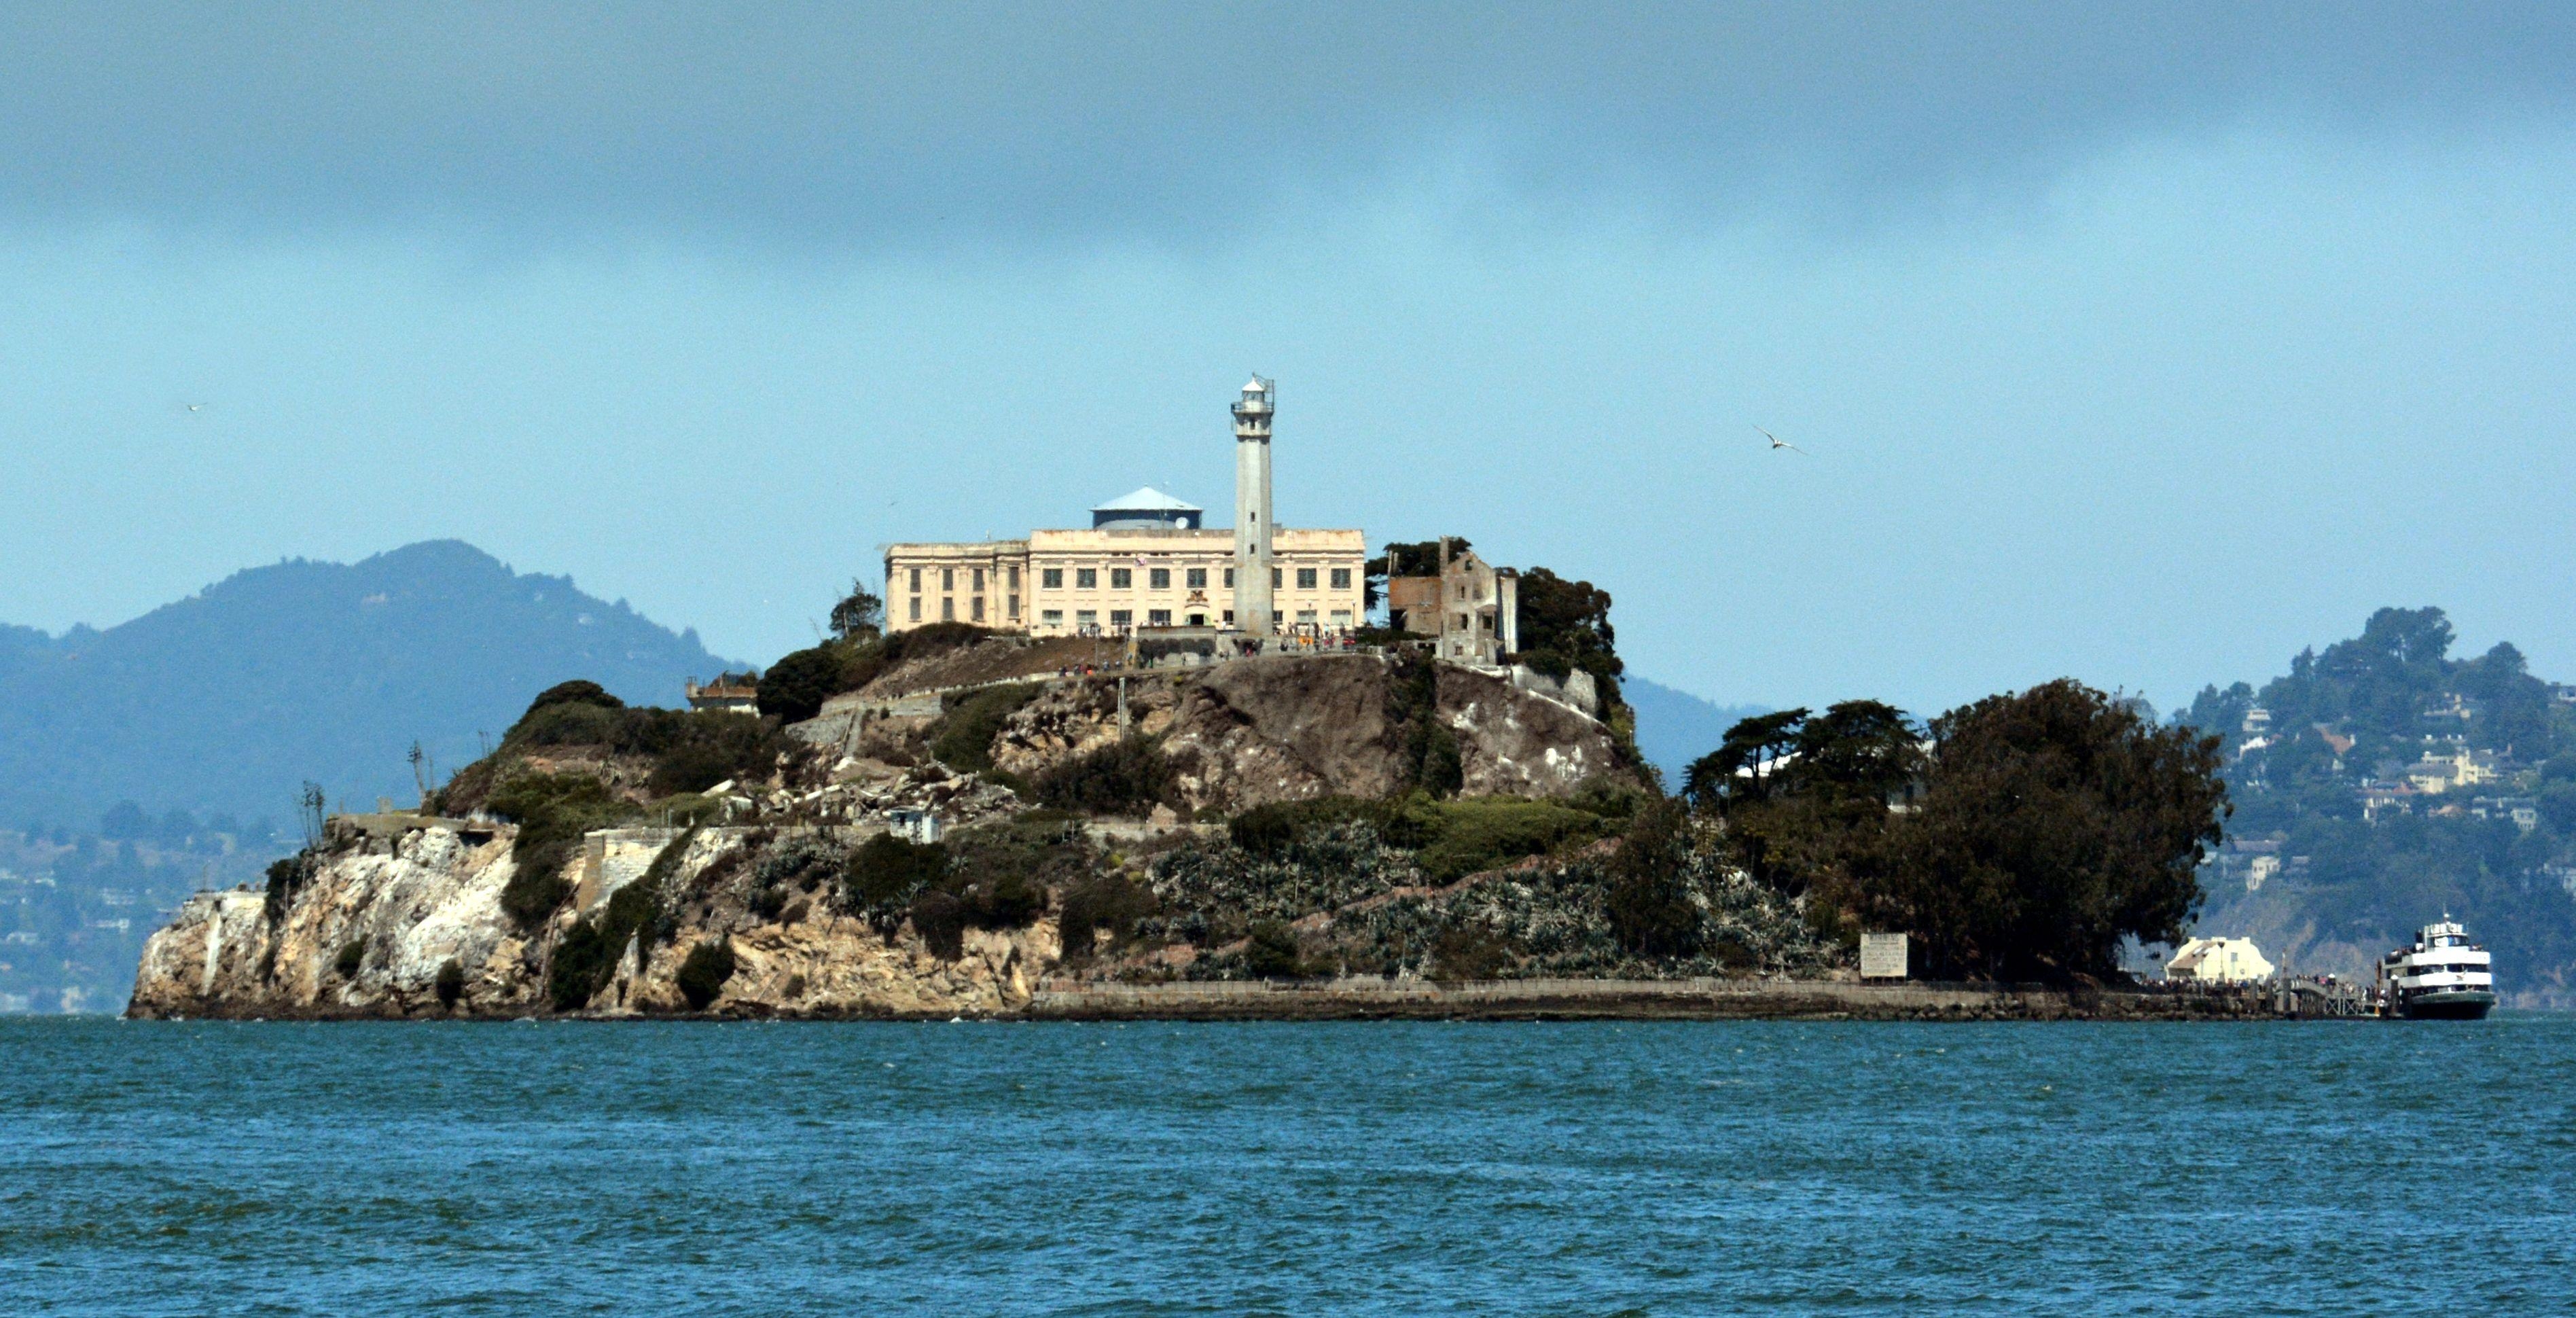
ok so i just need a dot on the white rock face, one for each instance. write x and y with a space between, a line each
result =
412 905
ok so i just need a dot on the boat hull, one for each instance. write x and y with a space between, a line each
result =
2471 1005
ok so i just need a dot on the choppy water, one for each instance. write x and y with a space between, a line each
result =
1290 1169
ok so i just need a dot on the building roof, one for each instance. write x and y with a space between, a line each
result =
1146 500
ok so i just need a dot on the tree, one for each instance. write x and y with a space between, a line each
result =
1863 750
1648 894
1740 768
794 688
858 614
1568 618
2054 823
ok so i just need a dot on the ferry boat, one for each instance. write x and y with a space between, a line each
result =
2443 976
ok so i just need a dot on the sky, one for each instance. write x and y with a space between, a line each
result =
2141 344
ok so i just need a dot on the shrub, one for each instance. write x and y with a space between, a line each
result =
1487 833
1107 902
1122 778
552 812
1270 951
963 737
1269 830
587 957
794 688
1466 952
285 877
702 976
450 984
1648 893
940 918
887 872
576 692
353 954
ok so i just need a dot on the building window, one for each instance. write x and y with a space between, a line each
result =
1198 620
1342 618
1015 580
1052 617
1305 617
1121 578
948 578
1158 618
1052 578
1160 578
1015 608
1274 578
1341 578
1086 578
916 605
1197 578
975 608
979 581
947 609
1086 619
1121 619
1305 578
1229 617
916 581
1229 585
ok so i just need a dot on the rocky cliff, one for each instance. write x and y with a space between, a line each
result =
381 919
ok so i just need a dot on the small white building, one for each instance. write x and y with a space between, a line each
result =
2219 961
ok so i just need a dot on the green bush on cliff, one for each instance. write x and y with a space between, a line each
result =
1122 778
703 974
963 737
794 688
552 811
1101 903
588 955
1270 951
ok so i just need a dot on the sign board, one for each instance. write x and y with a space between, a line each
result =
1882 956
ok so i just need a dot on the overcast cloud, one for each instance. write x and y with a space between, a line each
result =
885 126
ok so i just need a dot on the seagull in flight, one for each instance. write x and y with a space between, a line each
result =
196 407
1779 443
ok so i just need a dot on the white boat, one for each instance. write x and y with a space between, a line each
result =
2443 976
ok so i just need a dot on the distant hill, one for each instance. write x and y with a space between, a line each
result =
2380 783
1676 727
227 701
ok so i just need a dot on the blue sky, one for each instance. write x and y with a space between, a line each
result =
2145 349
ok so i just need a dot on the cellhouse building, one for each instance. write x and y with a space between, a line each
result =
1148 561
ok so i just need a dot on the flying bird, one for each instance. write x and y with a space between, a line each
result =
1779 443
196 407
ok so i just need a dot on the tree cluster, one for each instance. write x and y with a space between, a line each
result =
2022 837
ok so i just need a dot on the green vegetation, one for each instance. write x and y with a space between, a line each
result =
552 811
1431 759
1450 839
794 688
703 974
1270 951
994 876
1102 903
2368 710
587 957
1128 777
963 737
2042 829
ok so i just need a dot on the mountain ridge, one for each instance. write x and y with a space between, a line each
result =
229 698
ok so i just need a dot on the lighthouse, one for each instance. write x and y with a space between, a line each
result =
1252 525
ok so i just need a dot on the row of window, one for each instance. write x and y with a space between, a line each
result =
1160 578
1122 619
948 609
948 579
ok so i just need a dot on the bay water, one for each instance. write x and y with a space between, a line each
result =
1386 1168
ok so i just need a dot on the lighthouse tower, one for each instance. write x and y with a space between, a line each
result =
1252 525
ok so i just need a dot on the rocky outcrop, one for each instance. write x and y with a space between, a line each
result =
1294 727
370 931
